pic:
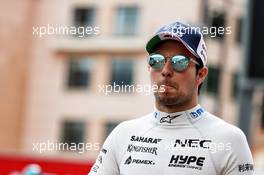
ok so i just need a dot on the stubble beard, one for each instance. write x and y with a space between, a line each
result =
179 99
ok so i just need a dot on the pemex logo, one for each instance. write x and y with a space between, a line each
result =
128 161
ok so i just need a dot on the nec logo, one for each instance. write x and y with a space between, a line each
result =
195 143
180 160
197 113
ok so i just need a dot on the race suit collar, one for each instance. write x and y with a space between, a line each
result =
178 118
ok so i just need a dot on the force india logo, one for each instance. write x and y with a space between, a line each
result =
182 161
129 161
145 139
142 149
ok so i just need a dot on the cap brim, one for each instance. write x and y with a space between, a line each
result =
154 41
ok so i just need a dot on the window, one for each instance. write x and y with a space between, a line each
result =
126 21
218 20
122 72
73 132
110 126
212 81
239 24
84 16
84 20
79 72
262 115
235 85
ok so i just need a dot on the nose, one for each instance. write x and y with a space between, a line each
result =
167 70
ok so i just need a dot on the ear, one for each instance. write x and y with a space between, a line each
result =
149 67
202 73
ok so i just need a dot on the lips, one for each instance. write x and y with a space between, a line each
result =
167 86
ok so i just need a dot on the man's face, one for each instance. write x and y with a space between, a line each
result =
175 88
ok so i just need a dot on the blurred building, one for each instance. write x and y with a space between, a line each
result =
53 85
15 58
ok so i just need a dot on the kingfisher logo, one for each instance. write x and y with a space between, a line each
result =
145 139
197 113
129 161
183 161
168 119
142 149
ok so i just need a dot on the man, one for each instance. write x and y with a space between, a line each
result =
179 137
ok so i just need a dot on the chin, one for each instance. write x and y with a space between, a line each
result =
167 98
170 94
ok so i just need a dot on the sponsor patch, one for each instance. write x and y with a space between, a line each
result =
145 139
130 160
183 161
141 149
245 167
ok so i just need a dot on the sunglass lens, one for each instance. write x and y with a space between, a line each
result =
156 61
179 62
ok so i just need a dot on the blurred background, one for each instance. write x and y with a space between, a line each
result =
50 84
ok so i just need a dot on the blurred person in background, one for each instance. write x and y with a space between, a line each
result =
179 136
